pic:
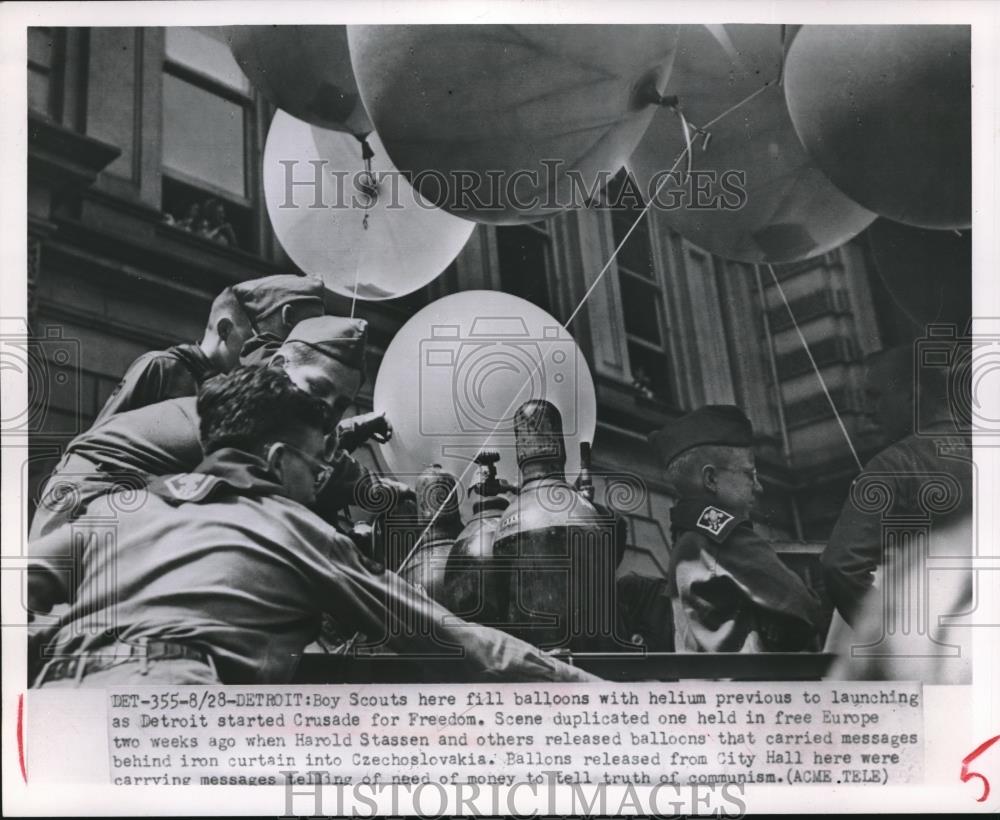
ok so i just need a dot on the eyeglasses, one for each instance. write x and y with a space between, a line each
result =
322 470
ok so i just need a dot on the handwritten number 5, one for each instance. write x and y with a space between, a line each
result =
966 775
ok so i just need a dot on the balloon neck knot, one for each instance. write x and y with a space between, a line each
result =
649 94
366 150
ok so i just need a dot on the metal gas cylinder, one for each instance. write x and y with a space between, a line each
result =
474 587
439 522
555 546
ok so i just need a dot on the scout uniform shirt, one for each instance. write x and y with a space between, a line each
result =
220 560
161 439
156 376
730 591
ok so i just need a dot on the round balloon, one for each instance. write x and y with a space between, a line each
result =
454 374
368 237
927 273
304 70
886 112
510 123
753 194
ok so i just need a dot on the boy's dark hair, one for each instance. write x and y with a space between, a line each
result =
251 406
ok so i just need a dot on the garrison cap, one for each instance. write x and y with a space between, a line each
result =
720 424
338 337
262 297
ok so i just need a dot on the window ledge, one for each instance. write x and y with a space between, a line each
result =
622 405
174 233
64 158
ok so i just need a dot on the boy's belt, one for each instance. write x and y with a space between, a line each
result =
117 654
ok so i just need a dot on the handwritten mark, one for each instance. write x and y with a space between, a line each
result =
20 736
966 775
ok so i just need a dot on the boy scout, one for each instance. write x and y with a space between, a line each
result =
223 574
729 590
926 475
323 356
239 315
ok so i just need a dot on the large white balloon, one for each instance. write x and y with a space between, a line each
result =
887 113
754 194
492 120
376 245
454 374
304 70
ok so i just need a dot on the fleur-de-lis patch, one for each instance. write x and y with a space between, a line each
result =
713 519
187 486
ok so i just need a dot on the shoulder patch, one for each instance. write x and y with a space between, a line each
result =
713 520
188 486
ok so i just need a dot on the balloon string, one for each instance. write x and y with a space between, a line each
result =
781 65
370 190
812 361
621 244
633 226
740 104
687 142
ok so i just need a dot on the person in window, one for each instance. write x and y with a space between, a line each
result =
222 576
642 383
217 226
199 225
729 590
191 218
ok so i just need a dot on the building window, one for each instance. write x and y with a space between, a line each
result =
207 139
45 48
525 256
642 294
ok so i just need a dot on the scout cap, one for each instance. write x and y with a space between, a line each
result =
719 424
262 297
338 337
